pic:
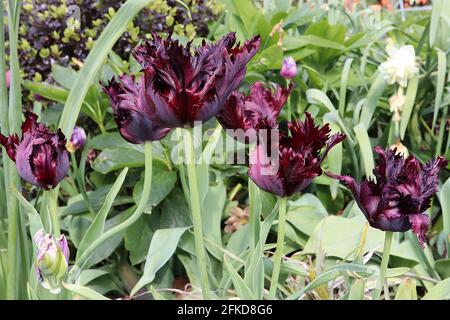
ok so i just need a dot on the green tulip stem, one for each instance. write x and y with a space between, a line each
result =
279 249
51 206
194 199
384 264
289 104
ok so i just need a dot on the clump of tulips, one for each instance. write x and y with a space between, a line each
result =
181 86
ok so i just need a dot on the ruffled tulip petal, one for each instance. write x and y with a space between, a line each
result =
264 105
10 144
41 156
232 116
264 173
299 158
306 136
132 115
62 241
420 224
334 140
184 85
236 60
255 112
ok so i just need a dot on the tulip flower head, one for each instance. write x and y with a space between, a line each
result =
397 201
400 66
289 68
299 158
41 157
257 111
77 140
179 85
52 260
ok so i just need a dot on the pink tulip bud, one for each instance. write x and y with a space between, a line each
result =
8 79
289 68
78 140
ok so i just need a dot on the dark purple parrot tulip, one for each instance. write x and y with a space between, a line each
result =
132 113
258 110
179 85
403 190
183 85
299 158
41 157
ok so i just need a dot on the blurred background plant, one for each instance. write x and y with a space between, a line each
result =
63 31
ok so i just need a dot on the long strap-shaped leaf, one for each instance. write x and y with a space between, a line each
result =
115 28
97 227
83 257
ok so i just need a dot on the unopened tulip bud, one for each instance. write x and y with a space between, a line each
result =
77 140
289 68
52 260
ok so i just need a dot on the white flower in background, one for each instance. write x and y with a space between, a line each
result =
400 66
396 103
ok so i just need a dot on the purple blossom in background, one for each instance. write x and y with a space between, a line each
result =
77 140
288 68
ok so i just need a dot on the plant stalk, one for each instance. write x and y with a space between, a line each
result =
384 263
279 250
14 115
51 199
196 212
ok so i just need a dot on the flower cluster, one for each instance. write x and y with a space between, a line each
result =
298 149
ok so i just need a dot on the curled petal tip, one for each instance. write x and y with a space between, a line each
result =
420 224
350 182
